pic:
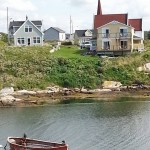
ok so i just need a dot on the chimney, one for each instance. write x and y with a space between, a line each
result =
99 9
26 17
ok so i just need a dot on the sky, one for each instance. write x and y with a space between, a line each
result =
57 13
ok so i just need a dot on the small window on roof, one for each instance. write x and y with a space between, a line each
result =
28 28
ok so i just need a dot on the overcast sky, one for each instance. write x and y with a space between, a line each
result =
56 13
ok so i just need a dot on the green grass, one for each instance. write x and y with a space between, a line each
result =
73 52
68 52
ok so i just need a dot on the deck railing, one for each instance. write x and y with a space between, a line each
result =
115 35
115 48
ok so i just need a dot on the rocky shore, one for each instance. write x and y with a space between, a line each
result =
110 91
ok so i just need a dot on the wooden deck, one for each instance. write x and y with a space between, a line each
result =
114 53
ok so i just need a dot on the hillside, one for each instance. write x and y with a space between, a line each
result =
35 67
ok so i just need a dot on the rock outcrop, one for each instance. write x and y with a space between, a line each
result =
24 92
83 90
8 100
6 91
145 68
111 85
53 89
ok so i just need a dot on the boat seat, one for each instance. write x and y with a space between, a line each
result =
12 141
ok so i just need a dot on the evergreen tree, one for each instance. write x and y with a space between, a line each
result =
4 37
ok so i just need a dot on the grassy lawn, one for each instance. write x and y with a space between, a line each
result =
73 52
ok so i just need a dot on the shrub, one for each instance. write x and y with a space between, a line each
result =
2 43
146 56
35 67
138 82
66 43
4 38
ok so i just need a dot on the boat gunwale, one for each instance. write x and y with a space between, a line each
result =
47 143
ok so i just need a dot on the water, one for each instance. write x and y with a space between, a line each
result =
84 126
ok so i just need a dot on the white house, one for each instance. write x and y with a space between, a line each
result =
26 33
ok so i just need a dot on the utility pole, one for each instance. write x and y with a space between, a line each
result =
70 25
7 27
93 21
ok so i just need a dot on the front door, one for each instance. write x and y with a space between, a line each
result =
29 41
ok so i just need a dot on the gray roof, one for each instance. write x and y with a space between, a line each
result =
81 33
20 23
57 29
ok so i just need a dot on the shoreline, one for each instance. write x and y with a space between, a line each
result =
28 100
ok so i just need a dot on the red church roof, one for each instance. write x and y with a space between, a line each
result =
136 23
101 20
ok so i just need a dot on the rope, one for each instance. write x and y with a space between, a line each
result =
5 146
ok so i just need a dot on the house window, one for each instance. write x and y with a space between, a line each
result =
105 33
123 44
94 43
106 45
21 41
36 40
28 28
123 32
